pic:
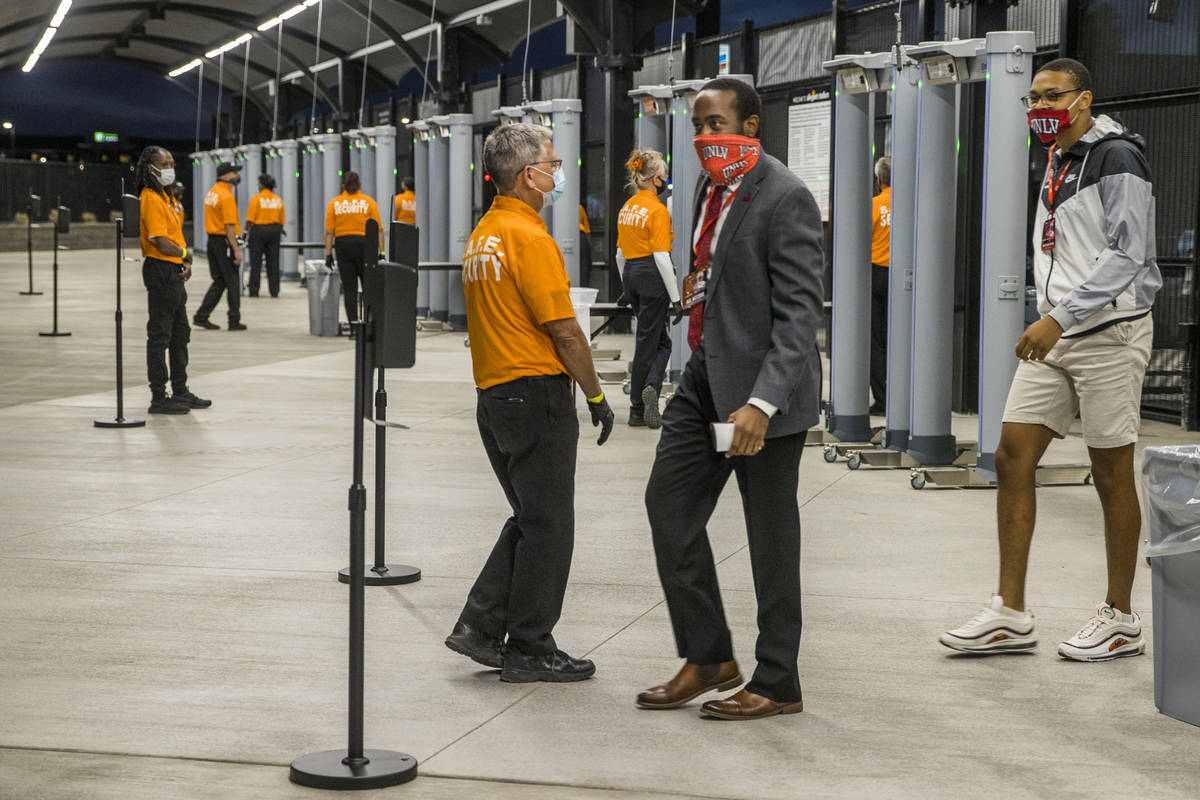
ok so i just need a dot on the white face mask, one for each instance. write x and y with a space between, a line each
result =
165 176
557 191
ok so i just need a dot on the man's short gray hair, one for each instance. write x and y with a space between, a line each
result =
510 148
883 171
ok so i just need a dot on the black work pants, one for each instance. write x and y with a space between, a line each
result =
530 433
652 345
226 279
685 482
351 263
264 241
167 329
879 324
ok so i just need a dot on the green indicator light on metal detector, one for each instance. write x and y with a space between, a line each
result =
297 174
920 84
893 86
395 171
639 115
872 151
579 162
837 93
668 158
472 166
957 145
339 173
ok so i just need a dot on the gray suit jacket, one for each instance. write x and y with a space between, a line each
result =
764 299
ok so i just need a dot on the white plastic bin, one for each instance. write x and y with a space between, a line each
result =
581 300
324 298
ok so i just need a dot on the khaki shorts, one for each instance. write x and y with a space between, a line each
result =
1098 376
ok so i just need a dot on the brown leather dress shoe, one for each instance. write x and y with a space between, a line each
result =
691 682
748 705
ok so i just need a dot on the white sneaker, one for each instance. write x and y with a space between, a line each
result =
995 629
1108 634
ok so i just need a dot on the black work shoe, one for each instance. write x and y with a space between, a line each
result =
556 667
236 326
650 408
190 400
168 405
204 323
482 649
636 420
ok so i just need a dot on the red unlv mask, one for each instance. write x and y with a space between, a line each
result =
726 156
1047 123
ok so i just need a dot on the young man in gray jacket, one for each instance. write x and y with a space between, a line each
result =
1093 241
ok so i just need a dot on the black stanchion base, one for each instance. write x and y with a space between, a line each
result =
27 294
326 770
119 423
390 575
54 333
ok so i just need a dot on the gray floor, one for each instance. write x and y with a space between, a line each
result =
172 627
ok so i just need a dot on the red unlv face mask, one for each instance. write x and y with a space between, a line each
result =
726 156
1047 123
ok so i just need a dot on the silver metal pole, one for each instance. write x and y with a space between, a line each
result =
439 210
459 204
288 167
420 133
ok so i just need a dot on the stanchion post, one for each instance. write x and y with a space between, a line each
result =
55 331
119 421
355 767
29 240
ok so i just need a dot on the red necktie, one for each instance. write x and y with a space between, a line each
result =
712 210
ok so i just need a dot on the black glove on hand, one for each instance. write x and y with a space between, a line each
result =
603 416
677 312
329 261
623 300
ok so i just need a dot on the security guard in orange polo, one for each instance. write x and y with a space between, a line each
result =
264 227
406 203
526 346
223 227
345 234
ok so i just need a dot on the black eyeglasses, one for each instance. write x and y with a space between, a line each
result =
555 165
1051 96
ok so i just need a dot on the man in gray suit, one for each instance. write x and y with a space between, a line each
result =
756 303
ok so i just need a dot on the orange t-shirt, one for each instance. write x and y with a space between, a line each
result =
881 227
406 208
584 226
266 208
220 209
160 219
347 214
643 226
515 282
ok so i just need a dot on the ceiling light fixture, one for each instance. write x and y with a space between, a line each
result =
55 22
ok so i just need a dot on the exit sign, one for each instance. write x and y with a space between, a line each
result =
100 137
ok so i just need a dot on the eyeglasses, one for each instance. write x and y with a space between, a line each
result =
555 165
1051 96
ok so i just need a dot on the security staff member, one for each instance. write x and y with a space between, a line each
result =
167 265
585 242
264 226
526 346
345 231
881 233
222 224
175 192
406 203
648 277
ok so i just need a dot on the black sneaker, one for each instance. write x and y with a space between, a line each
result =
168 405
650 408
190 400
236 326
478 647
556 667
204 323
636 420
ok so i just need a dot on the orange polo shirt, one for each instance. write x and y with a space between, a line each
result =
220 209
584 226
159 218
266 208
347 214
643 226
881 227
515 282
406 207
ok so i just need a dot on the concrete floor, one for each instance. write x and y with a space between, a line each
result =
172 627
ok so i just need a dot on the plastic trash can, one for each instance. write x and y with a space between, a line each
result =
1171 480
581 300
324 298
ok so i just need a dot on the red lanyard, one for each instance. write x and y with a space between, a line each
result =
1051 184
704 228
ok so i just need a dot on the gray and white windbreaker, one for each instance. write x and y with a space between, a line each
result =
1102 269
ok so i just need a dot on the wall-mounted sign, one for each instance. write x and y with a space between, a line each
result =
100 137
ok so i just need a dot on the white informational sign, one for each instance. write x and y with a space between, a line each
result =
809 126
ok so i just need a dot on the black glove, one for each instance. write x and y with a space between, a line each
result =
329 261
677 312
603 416
623 300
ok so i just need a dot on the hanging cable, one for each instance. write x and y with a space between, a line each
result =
245 79
278 88
428 50
220 80
362 103
671 48
525 63
199 95
312 112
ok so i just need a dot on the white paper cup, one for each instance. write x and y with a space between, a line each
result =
722 436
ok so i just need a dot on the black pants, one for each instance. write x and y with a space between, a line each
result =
530 432
226 279
264 241
351 262
167 330
879 308
652 349
685 482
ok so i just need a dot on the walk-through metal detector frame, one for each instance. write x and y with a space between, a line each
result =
563 117
420 172
439 213
459 199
